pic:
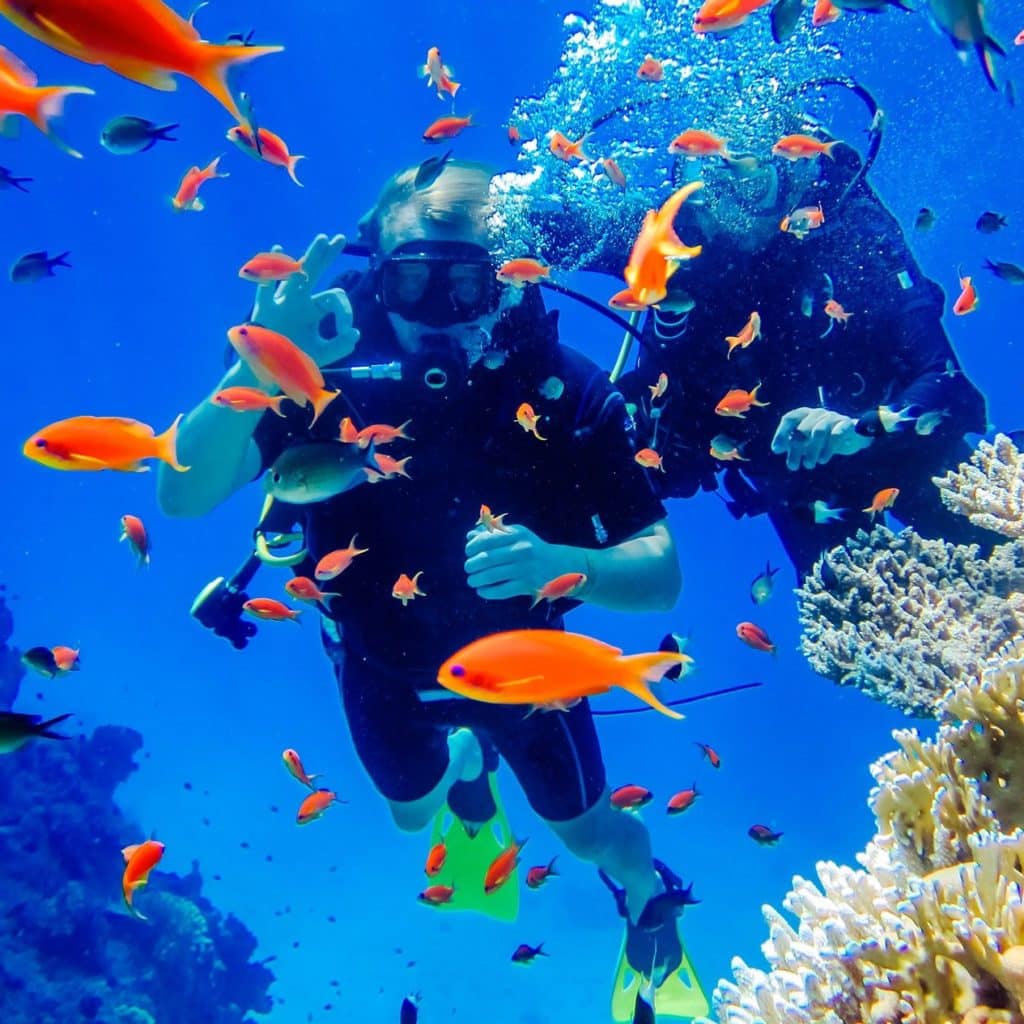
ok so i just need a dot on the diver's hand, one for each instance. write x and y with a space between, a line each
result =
292 308
516 563
810 437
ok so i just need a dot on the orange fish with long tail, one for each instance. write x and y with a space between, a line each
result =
91 443
550 668
272 149
277 360
187 196
884 499
143 40
19 94
502 867
723 15
139 861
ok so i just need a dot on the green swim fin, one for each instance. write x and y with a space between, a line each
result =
679 995
469 857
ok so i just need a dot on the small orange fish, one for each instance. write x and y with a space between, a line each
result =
649 459
537 876
302 588
967 301
380 434
293 763
92 443
825 12
19 94
711 754
800 223
502 867
406 589
314 806
272 149
336 562
884 499
435 895
66 658
514 135
748 335
723 15
439 75
246 399
803 147
523 271
738 402
271 266
650 70
388 467
447 128
277 360
565 149
657 390
683 800
271 610
139 862
528 420
187 196
630 797
435 860
835 312
627 301
349 432
133 530
561 586
695 143
492 523
755 636
1018 39
613 172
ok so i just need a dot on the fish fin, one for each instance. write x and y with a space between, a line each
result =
212 63
15 69
49 105
166 443
292 161
321 401
641 669
129 851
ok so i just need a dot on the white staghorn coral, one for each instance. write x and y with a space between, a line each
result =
989 490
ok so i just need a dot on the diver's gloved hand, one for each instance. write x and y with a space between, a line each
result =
514 562
292 308
810 437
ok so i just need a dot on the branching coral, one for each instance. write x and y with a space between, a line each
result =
931 929
903 618
989 489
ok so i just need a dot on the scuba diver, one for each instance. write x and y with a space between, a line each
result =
429 338
832 321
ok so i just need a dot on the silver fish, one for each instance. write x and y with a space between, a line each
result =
318 471
962 22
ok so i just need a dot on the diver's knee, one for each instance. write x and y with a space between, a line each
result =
409 817
588 835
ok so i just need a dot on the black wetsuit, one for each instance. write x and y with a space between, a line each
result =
580 486
892 351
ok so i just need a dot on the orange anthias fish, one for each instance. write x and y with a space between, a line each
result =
491 522
20 95
711 754
271 610
336 562
538 875
657 390
302 588
754 636
523 271
836 314
439 75
515 136
66 659
649 459
435 895
187 196
133 530
435 860
390 467
246 399
272 149
650 70
800 223
407 589
293 763
723 15
565 149
502 867
694 142
379 434
750 333
683 800
1018 39
825 12
143 40
739 402
139 861
967 300
561 586
102 442
627 301
803 147
271 266
613 172
277 360
447 128
545 667
528 420
884 499
630 797
314 806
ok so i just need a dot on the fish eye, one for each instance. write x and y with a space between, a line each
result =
41 442
458 671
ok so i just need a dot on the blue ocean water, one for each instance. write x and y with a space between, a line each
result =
137 328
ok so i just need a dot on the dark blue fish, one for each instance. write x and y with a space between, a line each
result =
34 266
784 17
16 730
526 954
41 660
989 223
925 219
128 135
430 170
763 585
1008 272
8 180
763 835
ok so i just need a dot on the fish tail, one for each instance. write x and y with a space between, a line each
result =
829 146
403 434
43 728
61 260
275 404
166 446
48 104
292 161
641 669
322 399
213 62
163 132
986 48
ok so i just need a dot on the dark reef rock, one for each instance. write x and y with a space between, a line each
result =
11 669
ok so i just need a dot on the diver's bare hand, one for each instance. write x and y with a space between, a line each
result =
293 309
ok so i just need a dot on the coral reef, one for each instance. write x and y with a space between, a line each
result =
903 618
931 930
989 489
